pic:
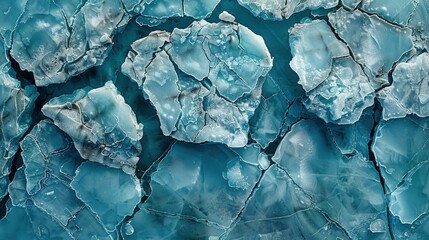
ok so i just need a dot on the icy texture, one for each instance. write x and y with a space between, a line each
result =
374 43
309 123
409 92
334 181
279 9
16 105
216 179
111 200
41 193
103 127
401 150
154 12
337 90
59 39
204 81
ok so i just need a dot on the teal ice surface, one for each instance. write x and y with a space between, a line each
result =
409 92
216 178
16 106
102 126
204 80
109 192
335 181
279 9
263 119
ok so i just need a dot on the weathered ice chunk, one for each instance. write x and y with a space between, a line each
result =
278 209
401 150
346 188
56 40
109 192
147 225
103 127
374 43
280 9
337 89
16 105
207 183
409 92
343 96
204 81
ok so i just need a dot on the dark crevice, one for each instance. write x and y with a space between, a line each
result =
22 75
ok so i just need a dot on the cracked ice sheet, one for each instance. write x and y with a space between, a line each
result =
401 150
337 90
409 13
409 91
56 40
103 127
16 105
51 166
374 43
206 183
287 211
204 81
155 12
346 188
280 9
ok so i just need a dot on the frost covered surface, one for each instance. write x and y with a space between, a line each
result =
204 81
311 126
103 127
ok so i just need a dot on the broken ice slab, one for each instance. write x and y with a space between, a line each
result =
153 13
204 81
346 188
10 11
45 150
279 208
401 150
266 123
16 105
409 91
374 43
409 13
56 40
102 126
280 9
109 192
29 222
314 47
208 183
399 146
147 225
337 90
415 190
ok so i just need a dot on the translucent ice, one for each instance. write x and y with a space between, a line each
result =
103 127
337 90
109 192
204 81
16 105
279 9
409 92
335 182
